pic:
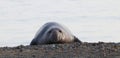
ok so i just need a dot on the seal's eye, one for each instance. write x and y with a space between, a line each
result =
49 31
60 31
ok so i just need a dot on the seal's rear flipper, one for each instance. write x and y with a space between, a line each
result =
77 40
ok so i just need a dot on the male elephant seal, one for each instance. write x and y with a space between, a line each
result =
53 33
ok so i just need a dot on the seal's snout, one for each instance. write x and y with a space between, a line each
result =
55 34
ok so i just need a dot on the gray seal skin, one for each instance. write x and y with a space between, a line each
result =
53 33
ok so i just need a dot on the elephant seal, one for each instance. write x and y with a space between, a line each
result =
53 33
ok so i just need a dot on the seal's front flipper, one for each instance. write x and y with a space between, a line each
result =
33 42
77 40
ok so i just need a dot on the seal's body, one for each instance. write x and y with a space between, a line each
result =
53 33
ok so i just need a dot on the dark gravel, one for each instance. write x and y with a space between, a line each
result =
71 50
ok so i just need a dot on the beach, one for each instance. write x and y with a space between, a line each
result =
69 50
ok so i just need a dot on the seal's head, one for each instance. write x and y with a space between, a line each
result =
53 33
57 35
